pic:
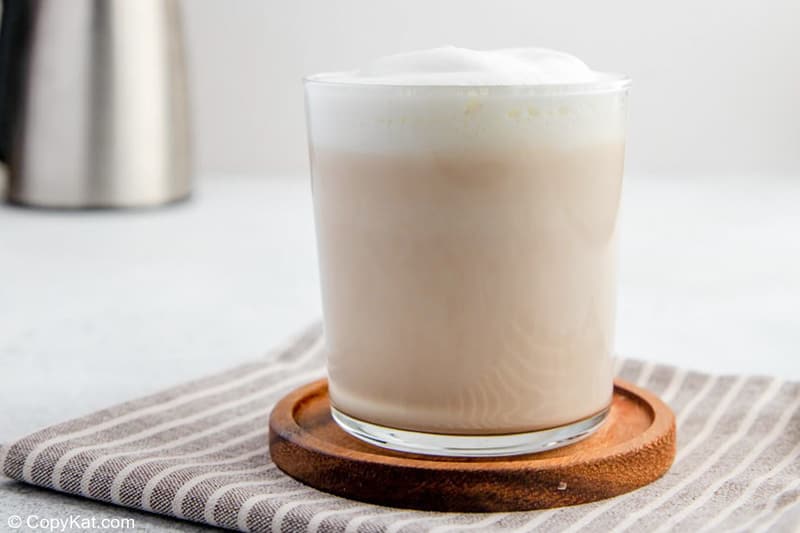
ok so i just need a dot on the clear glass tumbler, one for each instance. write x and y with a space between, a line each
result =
467 243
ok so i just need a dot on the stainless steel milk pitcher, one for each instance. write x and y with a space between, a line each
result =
93 103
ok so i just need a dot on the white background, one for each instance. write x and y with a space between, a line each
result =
716 83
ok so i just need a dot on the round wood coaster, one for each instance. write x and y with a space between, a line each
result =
635 446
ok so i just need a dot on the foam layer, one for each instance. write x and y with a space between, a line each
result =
461 66
452 99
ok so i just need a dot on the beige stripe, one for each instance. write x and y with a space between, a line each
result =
675 382
742 428
493 519
119 479
646 373
175 443
90 470
180 495
683 415
769 507
30 460
755 452
88 473
213 499
280 513
353 525
152 483
708 428
791 457
316 520
153 430
205 433
638 365
539 518
400 524
780 510
4 450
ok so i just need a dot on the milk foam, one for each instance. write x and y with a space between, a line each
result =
454 99
461 66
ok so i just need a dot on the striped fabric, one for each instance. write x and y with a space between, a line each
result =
199 452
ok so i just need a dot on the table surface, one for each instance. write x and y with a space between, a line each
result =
92 301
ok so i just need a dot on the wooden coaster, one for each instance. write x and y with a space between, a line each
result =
635 446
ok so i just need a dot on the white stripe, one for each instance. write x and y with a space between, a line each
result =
679 374
177 500
461 527
189 484
684 414
177 443
645 373
152 483
708 428
353 525
119 479
280 513
90 470
211 503
540 517
769 505
400 524
755 452
180 495
741 429
642 368
773 504
793 456
316 520
4 449
62 461
30 460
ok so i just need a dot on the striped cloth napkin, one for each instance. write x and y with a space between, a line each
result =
199 452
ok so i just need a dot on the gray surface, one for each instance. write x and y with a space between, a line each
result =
90 301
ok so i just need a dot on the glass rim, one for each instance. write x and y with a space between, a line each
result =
606 82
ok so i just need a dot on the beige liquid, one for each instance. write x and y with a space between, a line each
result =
469 293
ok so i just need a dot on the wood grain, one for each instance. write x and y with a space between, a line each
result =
635 446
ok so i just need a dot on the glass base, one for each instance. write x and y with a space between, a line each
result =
469 445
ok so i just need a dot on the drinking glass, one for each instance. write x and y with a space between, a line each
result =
467 240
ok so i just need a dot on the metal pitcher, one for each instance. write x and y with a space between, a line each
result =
93 103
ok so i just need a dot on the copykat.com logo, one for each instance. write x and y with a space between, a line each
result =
69 523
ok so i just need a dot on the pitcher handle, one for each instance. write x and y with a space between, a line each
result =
15 28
